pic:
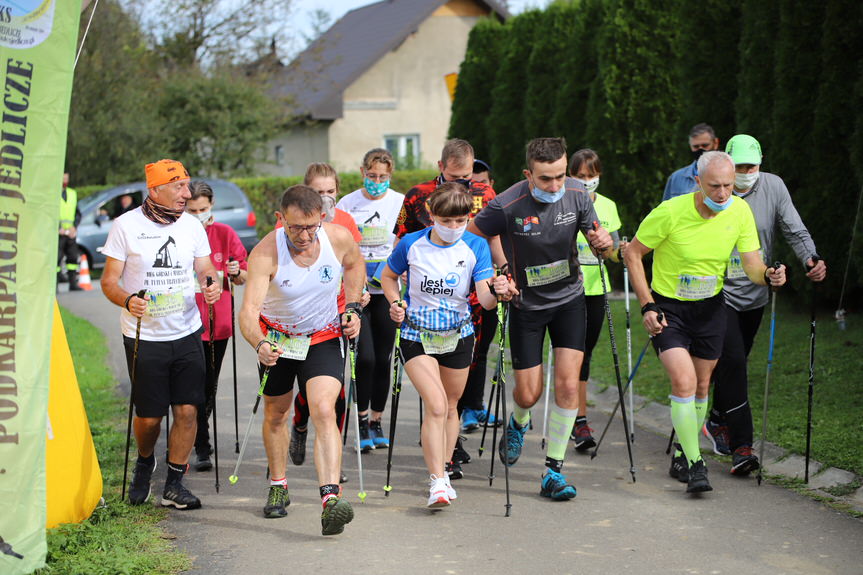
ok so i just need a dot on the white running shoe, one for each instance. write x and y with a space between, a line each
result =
450 492
438 496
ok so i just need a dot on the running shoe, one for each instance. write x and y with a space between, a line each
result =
743 461
139 489
469 420
554 486
453 471
342 477
450 492
176 495
366 441
379 440
679 467
277 499
583 436
337 513
297 447
438 492
480 416
203 462
718 436
459 455
511 443
698 482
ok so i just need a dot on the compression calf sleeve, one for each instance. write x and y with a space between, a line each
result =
700 410
521 415
560 424
685 420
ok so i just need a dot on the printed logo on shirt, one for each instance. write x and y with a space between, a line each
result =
460 264
527 223
477 204
286 283
166 257
565 219
146 236
374 220
326 274
439 286
218 257
452 279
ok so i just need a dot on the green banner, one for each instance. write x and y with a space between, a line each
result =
37 52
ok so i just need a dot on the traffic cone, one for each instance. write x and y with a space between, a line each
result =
84 274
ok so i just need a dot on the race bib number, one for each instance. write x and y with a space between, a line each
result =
547 273
165 304
374 235
218 280
293 346
436 343
585 255
735 266
695 287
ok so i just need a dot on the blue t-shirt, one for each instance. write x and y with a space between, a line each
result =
439 280
681 182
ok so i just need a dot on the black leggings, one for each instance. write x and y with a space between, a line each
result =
730 381
594 313
374 352
484 327
202 437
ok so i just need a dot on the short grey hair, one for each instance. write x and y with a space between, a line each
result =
708 158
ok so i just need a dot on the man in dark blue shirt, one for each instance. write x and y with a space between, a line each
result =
701 139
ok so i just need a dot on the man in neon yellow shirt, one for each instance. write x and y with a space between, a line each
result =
683 310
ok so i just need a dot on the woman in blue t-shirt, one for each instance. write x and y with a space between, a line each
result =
436 333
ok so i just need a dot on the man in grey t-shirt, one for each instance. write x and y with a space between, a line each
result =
538 220
730 424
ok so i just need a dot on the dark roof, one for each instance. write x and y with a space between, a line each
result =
317 78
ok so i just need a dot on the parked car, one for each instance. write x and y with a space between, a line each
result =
231 207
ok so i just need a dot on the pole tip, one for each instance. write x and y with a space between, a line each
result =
233 479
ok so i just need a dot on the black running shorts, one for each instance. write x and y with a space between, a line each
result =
325 358
167 373
565 324
696 326
459 358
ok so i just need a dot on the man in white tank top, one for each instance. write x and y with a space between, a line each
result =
290 316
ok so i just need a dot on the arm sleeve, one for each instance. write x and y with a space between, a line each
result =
792 226
406 220
398 260
491 220
202 244
483 269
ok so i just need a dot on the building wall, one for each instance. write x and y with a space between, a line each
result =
405 91
300 147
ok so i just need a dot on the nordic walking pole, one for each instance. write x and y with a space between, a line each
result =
397 391
348 396
215 384
141 295
352 346
491 394
617 405
670 442
629 348
234 477
547 393
503 316
497 384
234 355
767 377
616 364
815 260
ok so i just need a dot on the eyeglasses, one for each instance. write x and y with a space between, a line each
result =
380 178
310 230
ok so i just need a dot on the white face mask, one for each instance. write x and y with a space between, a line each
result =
329 208
745 181
204 217
589 185
449 235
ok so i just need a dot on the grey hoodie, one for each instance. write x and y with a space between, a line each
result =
771 205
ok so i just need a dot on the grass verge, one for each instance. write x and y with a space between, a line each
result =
117 538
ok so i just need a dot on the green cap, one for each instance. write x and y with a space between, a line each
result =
744 149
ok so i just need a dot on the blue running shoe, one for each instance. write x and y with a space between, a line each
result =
492 420
469 420
377 434
554 486
511 442
366 441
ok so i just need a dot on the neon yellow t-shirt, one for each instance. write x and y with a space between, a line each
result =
690 252
606 211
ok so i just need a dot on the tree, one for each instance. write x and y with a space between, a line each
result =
217 124
755 76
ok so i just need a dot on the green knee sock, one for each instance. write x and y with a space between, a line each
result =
560 425
685 420
700 410
521 415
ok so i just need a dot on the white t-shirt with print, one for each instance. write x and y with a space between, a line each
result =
376 220
161 259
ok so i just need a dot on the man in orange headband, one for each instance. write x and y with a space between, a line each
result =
159 249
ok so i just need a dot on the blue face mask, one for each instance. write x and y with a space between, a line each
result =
376 189
715 206
547 197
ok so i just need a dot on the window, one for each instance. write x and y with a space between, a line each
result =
279 152
405 148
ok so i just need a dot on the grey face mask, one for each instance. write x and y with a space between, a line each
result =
329 208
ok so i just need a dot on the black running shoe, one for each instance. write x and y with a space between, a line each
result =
743 461
698 482
453 470
679 467
203 461
583 436
459 455
139 489
297 447
337 513
277 500
176 495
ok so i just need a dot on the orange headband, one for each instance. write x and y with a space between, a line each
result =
165 172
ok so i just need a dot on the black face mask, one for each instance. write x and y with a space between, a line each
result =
697 154
465 183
